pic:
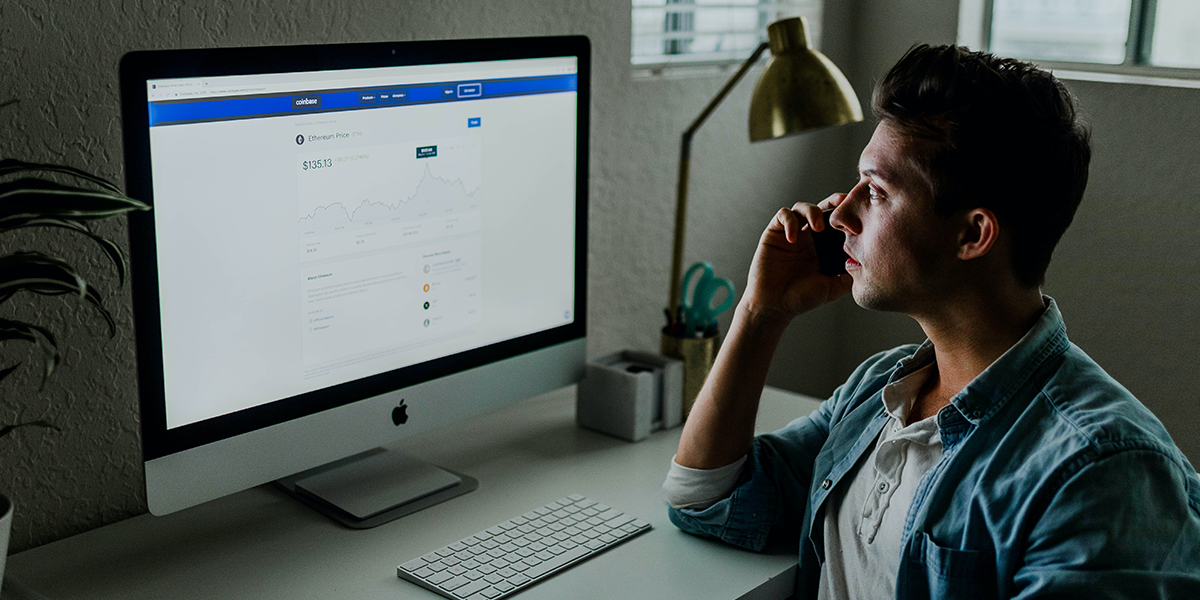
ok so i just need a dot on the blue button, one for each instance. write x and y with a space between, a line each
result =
448 92
473 122
366 97
384 96
399 94
469 90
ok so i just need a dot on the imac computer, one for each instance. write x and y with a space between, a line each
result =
349 244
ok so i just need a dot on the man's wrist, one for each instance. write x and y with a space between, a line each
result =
761 322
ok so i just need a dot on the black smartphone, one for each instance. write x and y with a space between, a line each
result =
829 242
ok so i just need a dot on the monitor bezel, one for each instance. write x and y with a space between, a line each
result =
139 67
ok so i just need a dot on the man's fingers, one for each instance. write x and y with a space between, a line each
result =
811 214
831 202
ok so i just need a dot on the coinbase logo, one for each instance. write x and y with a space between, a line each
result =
306 102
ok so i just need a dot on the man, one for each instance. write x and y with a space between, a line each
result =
996 460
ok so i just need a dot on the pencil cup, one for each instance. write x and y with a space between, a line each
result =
697 355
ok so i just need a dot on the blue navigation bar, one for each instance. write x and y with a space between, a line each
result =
220 109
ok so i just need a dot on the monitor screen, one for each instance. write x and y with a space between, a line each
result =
340 222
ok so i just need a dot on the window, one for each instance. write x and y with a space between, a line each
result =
669 32
1145 33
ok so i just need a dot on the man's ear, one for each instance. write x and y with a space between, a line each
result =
980 232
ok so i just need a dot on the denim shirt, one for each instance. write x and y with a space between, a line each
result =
1054 481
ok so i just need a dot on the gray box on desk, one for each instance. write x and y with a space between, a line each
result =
630 403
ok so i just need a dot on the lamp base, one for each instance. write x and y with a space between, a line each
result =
697 355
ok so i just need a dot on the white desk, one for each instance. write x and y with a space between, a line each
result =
263 544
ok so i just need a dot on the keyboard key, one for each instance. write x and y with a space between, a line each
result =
457 546
484 559
470 588
508 525
544 555
531 515
523 552
572 509
494 531
618 521
501 539
414 564
554 506
519 579
506 573
585 503
437 566
537 546
560 536
486 569
571 531
576 497
438 578
469 564
473 575
556 562
450 561
542 511
533 561
453 584
424 573
607 539
639 523
432 556
444 552
500 563
567 522
518 566
556 549
568 544
600 507
594 545
490 592
493 578
503 586
457 570
519 520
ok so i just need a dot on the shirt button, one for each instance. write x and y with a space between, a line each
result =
825 484
883 487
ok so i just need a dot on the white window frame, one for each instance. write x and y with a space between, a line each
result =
974 29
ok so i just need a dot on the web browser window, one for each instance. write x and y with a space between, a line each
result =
323 227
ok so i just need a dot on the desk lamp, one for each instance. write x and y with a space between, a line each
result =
800 90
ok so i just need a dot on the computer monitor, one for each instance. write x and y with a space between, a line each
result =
349 244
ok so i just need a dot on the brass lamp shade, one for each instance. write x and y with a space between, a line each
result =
801 89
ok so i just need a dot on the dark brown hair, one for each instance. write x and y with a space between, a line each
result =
999 134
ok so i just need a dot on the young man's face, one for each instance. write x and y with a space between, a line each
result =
902 255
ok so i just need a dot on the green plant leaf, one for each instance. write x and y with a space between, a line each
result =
12 166
18 330
49 276
108 246
30 197
7 429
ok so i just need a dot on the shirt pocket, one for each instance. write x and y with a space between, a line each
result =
958 573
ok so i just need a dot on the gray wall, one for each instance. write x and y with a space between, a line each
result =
1120 275
60 59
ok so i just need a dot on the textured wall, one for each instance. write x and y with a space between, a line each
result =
60 59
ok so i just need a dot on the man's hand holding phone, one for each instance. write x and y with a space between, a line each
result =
786 278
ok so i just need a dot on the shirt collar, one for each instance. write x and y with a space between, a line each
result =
991 389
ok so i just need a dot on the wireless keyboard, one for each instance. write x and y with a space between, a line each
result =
522 551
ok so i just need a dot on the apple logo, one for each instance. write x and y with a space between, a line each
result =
400 414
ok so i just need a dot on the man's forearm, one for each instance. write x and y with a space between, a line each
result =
720 428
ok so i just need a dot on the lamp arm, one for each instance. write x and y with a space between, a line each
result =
685 157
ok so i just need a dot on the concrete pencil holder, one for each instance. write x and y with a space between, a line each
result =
630 394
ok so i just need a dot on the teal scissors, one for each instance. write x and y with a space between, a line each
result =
699 315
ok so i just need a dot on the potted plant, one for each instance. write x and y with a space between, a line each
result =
36 195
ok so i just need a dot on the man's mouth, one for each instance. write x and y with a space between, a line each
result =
851 264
